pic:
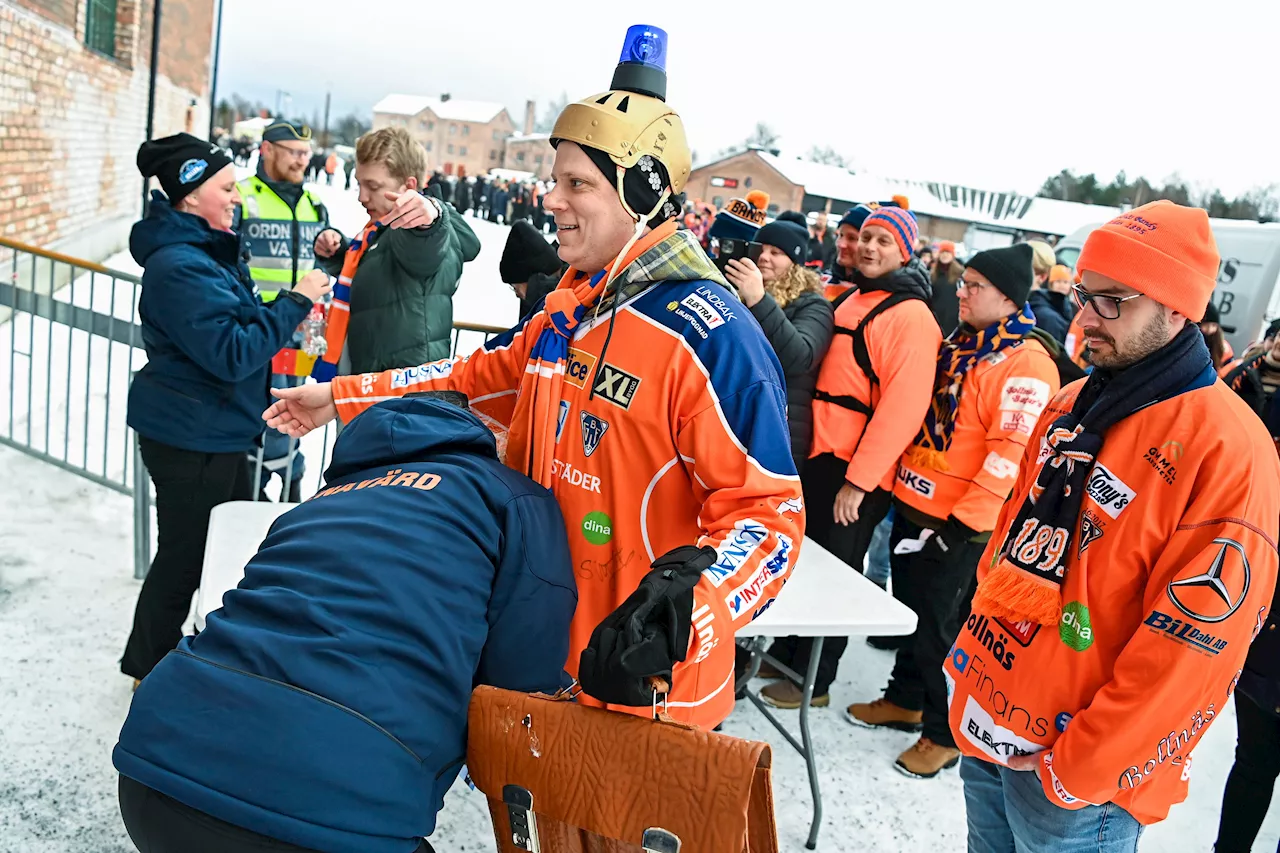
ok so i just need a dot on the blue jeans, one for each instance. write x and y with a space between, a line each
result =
878 552
1008 812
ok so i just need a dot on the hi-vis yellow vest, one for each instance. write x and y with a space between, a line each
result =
279 240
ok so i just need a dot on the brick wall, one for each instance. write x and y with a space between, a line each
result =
751 173
71 120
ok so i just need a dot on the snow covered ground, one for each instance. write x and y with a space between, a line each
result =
66 601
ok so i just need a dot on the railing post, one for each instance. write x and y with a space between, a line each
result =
141 513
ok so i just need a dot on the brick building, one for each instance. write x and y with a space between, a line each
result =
530 152
457 134
74 77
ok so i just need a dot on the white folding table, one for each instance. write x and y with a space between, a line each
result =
825 597
236 530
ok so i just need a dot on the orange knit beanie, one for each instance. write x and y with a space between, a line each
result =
1162 250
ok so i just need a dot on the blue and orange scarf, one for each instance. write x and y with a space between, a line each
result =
958 354
335 333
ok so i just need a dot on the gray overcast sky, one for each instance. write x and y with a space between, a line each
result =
989 93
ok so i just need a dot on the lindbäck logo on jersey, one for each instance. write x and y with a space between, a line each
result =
597 528
616 386
593 429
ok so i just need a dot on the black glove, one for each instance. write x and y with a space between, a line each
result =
648 633
948 538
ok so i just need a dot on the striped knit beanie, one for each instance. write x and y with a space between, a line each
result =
901 224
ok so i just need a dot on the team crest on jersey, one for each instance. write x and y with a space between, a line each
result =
1090 531
616 386
593 429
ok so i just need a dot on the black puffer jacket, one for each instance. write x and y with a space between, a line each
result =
800 334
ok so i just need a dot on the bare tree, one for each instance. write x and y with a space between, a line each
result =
828 156
554 107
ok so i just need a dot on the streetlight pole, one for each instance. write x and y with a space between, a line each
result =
213 77
151 90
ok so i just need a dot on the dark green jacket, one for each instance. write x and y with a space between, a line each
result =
402 293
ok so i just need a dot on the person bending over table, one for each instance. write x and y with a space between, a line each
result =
324 707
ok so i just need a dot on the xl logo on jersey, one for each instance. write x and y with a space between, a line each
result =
1109 491
616 386
593 429
915 482
579 367
736 550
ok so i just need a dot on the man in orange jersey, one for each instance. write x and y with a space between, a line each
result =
872 392
1128 572
994 378
648 400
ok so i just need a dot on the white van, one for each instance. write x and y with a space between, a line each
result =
1246 295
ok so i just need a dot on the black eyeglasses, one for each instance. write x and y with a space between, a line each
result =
1108 307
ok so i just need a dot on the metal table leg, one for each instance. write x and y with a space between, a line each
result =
804 746
810 677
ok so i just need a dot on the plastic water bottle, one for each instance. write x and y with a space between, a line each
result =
313 332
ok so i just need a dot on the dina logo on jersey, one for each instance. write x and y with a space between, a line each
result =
593 429
616 386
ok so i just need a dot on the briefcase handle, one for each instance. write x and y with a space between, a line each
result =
660 686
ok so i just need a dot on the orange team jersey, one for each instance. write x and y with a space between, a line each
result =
832 289
903 345
1001 399
684 442
1168 580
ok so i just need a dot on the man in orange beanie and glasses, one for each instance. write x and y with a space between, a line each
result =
1129 570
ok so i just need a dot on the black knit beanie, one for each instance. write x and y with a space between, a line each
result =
1009 269
526 253
642 185
181 163
787 236
793 216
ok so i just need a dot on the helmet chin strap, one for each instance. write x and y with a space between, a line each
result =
641 222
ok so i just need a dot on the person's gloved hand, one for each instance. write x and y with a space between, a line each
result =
947 539
648 633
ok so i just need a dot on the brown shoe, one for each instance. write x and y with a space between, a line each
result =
883 713
926 759
785 695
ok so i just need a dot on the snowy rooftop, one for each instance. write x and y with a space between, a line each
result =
452 109
946 201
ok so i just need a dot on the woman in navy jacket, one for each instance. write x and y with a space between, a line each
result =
196 405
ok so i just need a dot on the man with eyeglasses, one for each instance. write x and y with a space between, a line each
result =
994 377
278 227
280 219
1128 572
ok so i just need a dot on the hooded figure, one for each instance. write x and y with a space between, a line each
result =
325 705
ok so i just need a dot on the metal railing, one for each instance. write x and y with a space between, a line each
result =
70 342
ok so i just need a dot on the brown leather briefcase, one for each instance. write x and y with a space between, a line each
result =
564 778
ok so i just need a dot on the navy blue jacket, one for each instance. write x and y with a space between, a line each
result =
325 704
209 337
1049 310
